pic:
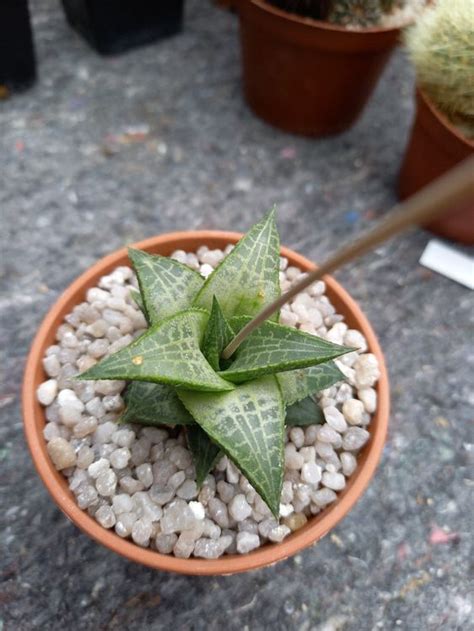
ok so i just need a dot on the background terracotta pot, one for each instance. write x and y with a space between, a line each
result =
34 420
435 146
306 76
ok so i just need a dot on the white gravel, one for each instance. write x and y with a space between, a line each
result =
140 481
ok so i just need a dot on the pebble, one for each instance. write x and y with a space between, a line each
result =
278 533
46 392
177 517
353 410
106 483
368 396
105 516
119 458
141 480
333 480
311 473
61 453
335 419
165 543
239 508
246 542
355 438
141 531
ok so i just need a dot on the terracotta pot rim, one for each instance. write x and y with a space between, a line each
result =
442 118
315 529
322 24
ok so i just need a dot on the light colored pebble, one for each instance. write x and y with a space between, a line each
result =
246 542
120 457
106 483
105 516
368 396
295 521
311 473
355 438
141 531
349 463
122 503
239 508
333 480
188 490
145 474
61 453
297 437
165 543
353 411
335 419
279 533
323 497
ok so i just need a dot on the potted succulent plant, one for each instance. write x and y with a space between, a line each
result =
441 46
309 66
176 458
115 27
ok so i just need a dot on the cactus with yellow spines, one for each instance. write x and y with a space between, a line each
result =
441 47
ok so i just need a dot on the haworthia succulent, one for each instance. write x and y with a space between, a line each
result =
248 278
248 425
166 286
154 404
205 452
169 352
218 334
273 348
298 384
304 412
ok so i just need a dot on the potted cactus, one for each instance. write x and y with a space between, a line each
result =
309 66
177 458
441 47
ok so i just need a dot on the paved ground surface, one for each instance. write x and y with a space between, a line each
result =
77 181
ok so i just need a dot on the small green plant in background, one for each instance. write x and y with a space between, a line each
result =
362 13
177 377
441 47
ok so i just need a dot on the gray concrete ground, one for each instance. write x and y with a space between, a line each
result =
102 152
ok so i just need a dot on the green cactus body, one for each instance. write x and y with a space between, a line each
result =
363 13
360 13
441 46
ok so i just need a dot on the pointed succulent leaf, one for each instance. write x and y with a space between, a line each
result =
273 348
154 404
248 278
205 452
248 425
169 352
304 412
166 285
218 334
138 300
298 384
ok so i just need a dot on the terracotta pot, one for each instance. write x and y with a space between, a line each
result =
435 146
34 420
306 76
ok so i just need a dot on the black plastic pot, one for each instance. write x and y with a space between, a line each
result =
17 58
114 26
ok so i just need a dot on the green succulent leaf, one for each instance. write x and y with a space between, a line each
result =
248 278
304 412
138 300
169 352
166 286
248 425
298 384
154 404
274 348
218 334
205 452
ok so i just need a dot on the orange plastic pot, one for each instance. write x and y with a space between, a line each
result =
34 420
435 146
307 76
